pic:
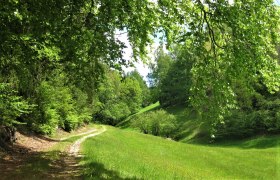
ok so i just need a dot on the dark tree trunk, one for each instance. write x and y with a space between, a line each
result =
7 134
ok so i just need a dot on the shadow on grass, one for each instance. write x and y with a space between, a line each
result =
25 164
258 142
95 170
195 130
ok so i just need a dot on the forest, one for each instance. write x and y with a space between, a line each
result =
213 79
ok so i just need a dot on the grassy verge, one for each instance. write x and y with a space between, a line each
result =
126 154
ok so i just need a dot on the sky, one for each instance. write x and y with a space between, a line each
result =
140 66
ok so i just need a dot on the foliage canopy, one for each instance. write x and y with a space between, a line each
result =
41 40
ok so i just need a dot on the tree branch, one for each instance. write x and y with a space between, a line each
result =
210 30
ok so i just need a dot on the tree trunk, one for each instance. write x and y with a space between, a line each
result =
7 134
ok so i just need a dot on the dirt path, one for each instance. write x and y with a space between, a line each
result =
67 167
36 163
75 148
80 134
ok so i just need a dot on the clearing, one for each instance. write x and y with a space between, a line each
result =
125 154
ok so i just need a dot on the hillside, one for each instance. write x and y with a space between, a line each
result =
190 127
118 154
128 154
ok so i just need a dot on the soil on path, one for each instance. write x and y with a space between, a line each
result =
75 148
30 160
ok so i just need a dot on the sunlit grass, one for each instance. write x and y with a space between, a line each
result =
190 127
127 154
150 107
127 122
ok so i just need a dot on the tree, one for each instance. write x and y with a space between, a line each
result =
159 72
117 97
146 95
230 41
131 93
12 107
73 37
175 86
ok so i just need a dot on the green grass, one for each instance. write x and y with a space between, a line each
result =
120 154
191 127
149 108
126 124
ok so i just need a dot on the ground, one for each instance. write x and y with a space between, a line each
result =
40 157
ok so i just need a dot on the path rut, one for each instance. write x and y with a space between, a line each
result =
75 148
66 167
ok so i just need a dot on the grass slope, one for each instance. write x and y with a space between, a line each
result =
191 128
118 154
125 124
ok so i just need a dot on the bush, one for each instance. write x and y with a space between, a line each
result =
113 113
158 123
59 106
238 125
258 113
12 106
265 120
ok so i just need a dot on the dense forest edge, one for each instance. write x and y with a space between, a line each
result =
173 116
61 65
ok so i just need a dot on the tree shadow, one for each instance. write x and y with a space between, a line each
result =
95 170
37 136
23 164
258 142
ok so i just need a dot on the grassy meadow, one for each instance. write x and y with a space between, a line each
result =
118 154
125 153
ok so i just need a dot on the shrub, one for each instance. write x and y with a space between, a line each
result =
158 123
59 106
113 113
258 113
12 106
266 120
